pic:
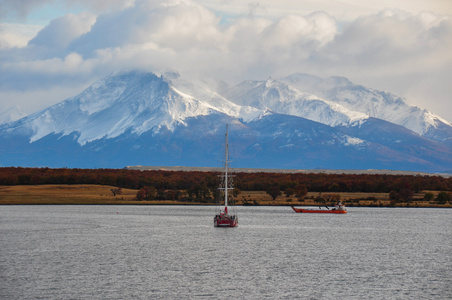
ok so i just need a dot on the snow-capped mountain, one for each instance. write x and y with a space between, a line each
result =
374 103
134 101
281 98
141 118
203 92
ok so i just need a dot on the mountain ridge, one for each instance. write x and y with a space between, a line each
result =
138 118
377 104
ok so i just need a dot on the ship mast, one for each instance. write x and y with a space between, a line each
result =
226 186
224 219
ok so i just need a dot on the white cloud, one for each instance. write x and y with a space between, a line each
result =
17 35
63 30
395 51
344 10
391 50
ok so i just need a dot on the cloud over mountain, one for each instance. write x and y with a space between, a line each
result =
408 54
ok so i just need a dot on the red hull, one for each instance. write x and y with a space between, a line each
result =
225 221
225 224
319 211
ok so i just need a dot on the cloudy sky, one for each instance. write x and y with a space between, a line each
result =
53 49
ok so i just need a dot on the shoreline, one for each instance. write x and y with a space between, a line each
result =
204 204
86 194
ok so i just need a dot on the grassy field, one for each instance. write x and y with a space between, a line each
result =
101 194
65 194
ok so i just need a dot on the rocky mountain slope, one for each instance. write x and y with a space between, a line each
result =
299 122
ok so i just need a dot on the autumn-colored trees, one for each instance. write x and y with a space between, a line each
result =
273 190
147 193
116 191
444 197
203 184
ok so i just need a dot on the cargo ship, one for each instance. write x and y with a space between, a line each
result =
338 209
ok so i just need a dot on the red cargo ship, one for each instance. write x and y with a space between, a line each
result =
338 209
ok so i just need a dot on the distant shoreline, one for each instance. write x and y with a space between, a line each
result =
286 171
90 194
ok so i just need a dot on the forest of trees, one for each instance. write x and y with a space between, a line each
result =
198 182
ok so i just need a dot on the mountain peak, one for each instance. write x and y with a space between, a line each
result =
144 118
282 98
339 81
374 103
269 82
132 101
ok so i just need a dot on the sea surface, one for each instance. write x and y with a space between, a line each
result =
174 252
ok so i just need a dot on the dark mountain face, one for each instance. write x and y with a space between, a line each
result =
143 119
274 141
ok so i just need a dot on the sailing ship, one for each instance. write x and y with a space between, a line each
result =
338 209
224 219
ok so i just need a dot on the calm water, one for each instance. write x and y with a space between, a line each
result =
174 252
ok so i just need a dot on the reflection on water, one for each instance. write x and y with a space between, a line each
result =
169 252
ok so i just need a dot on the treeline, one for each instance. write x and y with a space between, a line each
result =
364 183
131 179
199 182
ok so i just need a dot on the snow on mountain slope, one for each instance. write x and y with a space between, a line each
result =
205 93
111 106
141 118
282 98
12 114
377 104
